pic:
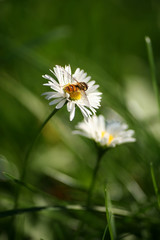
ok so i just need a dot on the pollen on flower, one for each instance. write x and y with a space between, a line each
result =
110 139
103 134
75 95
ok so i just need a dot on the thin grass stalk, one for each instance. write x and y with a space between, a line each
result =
105 232
56 207
24 169
155 184
26 185
100 153
27 155
153 71
109 216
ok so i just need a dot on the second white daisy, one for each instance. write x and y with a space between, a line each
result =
76 90
106 134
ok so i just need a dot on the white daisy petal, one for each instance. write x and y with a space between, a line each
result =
92 89
55 101
103 133
50 78
68 88
69 106
84 112
87 79
60 104
72 112
91 83
53 86
87 111
68 69
50 95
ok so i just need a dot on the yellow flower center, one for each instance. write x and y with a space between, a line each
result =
103 133
75 95
110 139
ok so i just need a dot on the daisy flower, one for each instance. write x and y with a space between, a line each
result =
74 89
106 134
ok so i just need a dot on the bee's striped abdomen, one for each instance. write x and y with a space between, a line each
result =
71 88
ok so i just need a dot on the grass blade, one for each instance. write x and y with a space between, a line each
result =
109 216
105 232
14 212
153 71
155 184
28 186
69 207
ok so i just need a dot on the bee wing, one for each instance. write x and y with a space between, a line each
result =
68 74
85 98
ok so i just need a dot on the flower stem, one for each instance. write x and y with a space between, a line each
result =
25 161
94 176
25 165
100 152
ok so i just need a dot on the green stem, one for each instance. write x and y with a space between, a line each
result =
91 188
153 71
25 163
94 177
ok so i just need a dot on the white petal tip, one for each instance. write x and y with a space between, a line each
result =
50 104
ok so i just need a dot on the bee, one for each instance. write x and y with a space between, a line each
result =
76 90
75 87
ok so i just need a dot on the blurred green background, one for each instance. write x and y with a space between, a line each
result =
107 40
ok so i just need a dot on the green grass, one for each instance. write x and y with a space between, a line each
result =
153 71
106 39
